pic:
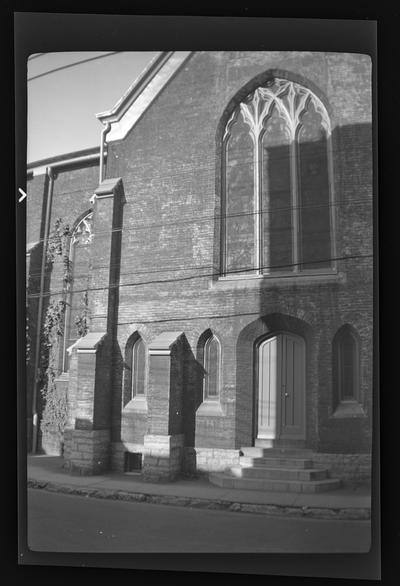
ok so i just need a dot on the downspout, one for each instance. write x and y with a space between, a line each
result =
104 132
50 174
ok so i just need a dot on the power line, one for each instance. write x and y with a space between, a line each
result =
219 217
201 276
194 318
71 64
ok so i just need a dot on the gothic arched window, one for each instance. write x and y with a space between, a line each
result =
77 295
276 183
345 366
138 380
135 372
211 368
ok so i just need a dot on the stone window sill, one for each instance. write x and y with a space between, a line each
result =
210 408
254 281
348 409
138 404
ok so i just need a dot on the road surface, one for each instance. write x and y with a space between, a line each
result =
66 523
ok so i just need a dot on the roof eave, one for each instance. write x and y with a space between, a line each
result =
129 109
136 87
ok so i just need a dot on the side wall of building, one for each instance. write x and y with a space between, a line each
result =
168 260
68 194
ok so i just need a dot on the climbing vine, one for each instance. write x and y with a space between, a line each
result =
82 319
58 245
54 414
55 409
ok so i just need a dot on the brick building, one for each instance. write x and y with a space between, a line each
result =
220 243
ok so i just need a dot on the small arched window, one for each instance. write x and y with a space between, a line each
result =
138 379
211 368
135 372
276 183
346 367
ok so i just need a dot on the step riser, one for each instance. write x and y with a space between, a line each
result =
274 485
275 462
275 469
254 452
274 443
277 474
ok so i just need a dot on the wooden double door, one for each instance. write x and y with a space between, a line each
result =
280 388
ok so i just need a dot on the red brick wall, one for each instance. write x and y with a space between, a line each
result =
169 164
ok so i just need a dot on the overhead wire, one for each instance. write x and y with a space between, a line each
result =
199 276
68 65
219 217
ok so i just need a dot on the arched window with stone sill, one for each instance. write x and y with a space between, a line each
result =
346 373
135 372
277 184
211 366
138 378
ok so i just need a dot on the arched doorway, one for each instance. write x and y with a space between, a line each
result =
280 388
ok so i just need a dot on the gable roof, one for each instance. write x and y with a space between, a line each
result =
131 106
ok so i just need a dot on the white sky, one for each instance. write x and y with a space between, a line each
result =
62 104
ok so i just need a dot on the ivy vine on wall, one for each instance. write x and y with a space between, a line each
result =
82 319
58 245
54 415
55 410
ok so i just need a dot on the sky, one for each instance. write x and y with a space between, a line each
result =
67 90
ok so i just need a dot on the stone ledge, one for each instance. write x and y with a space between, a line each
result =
351 513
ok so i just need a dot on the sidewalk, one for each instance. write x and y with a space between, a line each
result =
47 472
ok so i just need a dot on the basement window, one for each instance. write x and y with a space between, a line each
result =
133 462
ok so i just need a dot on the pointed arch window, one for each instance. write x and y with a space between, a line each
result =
77 293
345 367
277 183
212 368
135 377
138 379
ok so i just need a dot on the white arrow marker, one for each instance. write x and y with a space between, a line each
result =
23 196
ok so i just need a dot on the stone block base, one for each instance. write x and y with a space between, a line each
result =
204 460
118 450
88 451
52 443
163 455
349 468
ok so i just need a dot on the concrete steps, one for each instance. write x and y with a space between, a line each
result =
259 452
280 473
276 469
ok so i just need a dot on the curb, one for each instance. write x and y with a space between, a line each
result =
349 513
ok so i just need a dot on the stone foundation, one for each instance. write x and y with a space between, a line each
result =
163 455
52 443
88 452
349 468
118 450
204 460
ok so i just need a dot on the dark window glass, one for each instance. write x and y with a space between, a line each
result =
346 366
211 367
239 198
138 368
315 244
276 196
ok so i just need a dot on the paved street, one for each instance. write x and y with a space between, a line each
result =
65 523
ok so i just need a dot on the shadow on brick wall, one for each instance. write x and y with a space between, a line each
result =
193 374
